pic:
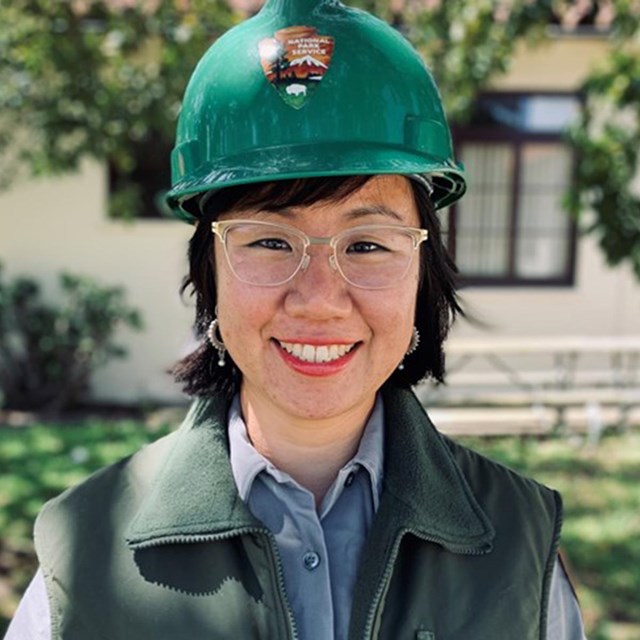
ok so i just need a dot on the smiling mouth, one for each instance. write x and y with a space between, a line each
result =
316 353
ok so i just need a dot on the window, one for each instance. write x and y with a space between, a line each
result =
139 193
510 228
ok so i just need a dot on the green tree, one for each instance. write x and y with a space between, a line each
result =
606 190
97 78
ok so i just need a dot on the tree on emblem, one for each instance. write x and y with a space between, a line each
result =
279 63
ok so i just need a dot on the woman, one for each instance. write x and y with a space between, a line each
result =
307 495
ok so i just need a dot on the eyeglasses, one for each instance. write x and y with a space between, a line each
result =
268 254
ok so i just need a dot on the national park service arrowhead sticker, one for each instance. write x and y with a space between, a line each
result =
295 61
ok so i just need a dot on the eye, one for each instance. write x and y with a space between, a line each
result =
272 244
365 246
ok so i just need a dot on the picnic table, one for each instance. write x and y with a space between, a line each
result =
537 384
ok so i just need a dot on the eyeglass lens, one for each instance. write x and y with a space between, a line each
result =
371 257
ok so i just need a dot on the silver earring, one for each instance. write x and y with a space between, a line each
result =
413 345
216 341
415 341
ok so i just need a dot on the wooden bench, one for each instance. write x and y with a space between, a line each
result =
537 385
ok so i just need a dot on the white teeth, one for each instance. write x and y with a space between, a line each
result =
311 353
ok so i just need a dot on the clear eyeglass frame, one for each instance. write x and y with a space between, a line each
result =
221 228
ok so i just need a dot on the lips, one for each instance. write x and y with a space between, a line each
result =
316 353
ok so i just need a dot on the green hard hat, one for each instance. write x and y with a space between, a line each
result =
310 88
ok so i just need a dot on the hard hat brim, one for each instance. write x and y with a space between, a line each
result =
315 160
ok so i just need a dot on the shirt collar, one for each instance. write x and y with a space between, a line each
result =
194 496
247 463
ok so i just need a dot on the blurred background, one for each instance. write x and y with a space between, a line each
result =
544 99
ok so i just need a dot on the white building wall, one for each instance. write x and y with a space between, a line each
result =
60 224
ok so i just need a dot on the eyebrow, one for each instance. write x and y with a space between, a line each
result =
374 209
354 214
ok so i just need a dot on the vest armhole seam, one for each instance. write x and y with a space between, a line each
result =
550 563
47 574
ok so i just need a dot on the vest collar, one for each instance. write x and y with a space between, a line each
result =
424 486
194 496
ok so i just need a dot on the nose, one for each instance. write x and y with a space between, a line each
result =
318 291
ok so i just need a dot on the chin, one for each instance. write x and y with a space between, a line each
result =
322 402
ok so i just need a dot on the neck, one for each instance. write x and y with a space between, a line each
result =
311 451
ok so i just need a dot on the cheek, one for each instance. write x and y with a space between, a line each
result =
243 310
410 292
228 287
407 302
227 299
392 311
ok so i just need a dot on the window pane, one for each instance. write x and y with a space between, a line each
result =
543 226
550 114
525 113
483 215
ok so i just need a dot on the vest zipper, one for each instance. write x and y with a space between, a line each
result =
273 552
275 557
374 610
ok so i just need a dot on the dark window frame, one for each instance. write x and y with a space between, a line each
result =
478 134
151 175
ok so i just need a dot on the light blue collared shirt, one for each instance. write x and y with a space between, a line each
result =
320 548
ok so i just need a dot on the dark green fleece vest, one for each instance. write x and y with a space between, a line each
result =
160 546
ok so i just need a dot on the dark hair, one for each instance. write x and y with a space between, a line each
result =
437 304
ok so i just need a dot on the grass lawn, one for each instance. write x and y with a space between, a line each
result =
601 490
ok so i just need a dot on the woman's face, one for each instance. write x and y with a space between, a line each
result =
318 308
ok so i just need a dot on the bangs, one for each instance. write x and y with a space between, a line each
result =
281 194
